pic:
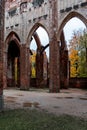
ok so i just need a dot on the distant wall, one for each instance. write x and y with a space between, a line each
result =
78 82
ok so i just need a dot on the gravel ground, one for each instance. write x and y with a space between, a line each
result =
69 101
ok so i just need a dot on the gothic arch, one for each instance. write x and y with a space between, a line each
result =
12 56
12 36
68 17
64 52
33 29
39 61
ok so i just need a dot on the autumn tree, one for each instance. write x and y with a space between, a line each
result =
78 54
73 56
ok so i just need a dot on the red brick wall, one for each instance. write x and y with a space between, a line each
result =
78 82
1 43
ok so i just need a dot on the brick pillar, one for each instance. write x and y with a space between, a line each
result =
64 69
54 50
24 68
1 51
54 67
39 69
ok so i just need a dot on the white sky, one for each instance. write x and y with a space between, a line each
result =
43 38
73 25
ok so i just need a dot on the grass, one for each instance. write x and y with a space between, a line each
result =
36 120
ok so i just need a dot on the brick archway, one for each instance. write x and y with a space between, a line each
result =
65 65
67 18
32 30
40 56
12 36
12 65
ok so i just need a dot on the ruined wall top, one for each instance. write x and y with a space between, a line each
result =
24 14
15 3
62 4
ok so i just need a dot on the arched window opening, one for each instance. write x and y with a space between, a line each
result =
75 34
39 58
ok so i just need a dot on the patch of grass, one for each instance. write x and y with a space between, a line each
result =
37 120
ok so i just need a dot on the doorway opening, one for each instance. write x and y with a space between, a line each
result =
13 65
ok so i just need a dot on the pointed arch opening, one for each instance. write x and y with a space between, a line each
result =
39 56
77 24
13 60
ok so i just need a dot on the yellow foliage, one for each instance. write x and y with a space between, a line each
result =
33 72
74 55
72 71
74 58
33 62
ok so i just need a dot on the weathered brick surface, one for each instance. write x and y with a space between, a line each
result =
54 49
1 51
52 15
1 42
24 68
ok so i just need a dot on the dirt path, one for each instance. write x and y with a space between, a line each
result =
71 101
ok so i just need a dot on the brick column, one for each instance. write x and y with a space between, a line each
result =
54 67
1 51
66 83
39 69
54 50
64 69
24 68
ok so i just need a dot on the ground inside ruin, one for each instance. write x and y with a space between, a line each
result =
68 101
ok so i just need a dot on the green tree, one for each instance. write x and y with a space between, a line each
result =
78 54
83 55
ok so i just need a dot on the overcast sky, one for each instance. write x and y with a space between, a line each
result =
73 25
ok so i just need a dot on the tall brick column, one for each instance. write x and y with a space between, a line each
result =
24 68
54 50
64 61
64 69
1 51
39 69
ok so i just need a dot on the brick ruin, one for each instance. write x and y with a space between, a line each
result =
22 19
